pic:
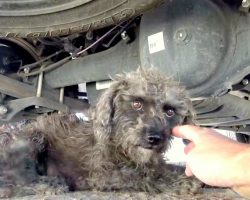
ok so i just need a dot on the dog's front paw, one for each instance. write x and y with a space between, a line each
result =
186 185
6 139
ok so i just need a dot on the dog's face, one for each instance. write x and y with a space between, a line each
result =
145 107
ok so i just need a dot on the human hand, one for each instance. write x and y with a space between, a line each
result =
213 158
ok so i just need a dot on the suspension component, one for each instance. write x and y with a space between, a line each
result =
245 5
3 110
61 95
40 84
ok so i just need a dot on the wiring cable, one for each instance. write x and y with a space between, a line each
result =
64 60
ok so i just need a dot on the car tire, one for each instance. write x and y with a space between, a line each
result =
48 18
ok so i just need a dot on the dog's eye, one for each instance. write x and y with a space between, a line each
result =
170 112
137 105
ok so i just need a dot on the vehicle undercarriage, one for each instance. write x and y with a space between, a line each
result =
47 54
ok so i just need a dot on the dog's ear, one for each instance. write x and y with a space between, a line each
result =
189 118
104 112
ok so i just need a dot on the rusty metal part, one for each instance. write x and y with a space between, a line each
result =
16 88
46 69
16 106
19 89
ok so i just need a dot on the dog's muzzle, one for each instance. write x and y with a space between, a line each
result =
154 138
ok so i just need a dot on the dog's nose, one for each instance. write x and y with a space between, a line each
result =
154 139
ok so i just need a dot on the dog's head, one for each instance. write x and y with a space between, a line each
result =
138 112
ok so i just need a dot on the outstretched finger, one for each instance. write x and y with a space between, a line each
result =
187 132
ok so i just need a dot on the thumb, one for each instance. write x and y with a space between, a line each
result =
187 132
188 171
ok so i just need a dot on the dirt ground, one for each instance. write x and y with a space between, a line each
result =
207 194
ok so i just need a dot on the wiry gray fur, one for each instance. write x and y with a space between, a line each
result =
112 150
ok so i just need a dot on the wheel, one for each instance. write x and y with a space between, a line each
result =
243 138
45 18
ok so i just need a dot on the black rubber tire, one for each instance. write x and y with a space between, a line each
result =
243 138
21 21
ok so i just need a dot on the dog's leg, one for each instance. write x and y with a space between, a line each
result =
172 179
16 163
20 173
120 180
153 180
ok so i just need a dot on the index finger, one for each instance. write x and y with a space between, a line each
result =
187 132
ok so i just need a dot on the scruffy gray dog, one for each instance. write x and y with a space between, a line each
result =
121 147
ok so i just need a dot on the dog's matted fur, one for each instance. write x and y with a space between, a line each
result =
121 147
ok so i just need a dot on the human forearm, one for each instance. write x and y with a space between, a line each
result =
242 172
215 159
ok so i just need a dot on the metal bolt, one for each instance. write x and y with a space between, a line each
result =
5 61
2 71
26 70
181 35
245 3
124 35
245 81
89 35
3 110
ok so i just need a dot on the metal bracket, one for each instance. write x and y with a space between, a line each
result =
21 90
16 106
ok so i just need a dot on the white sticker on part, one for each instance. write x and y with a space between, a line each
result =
156 43
103 85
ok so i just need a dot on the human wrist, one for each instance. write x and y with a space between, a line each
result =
241 169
